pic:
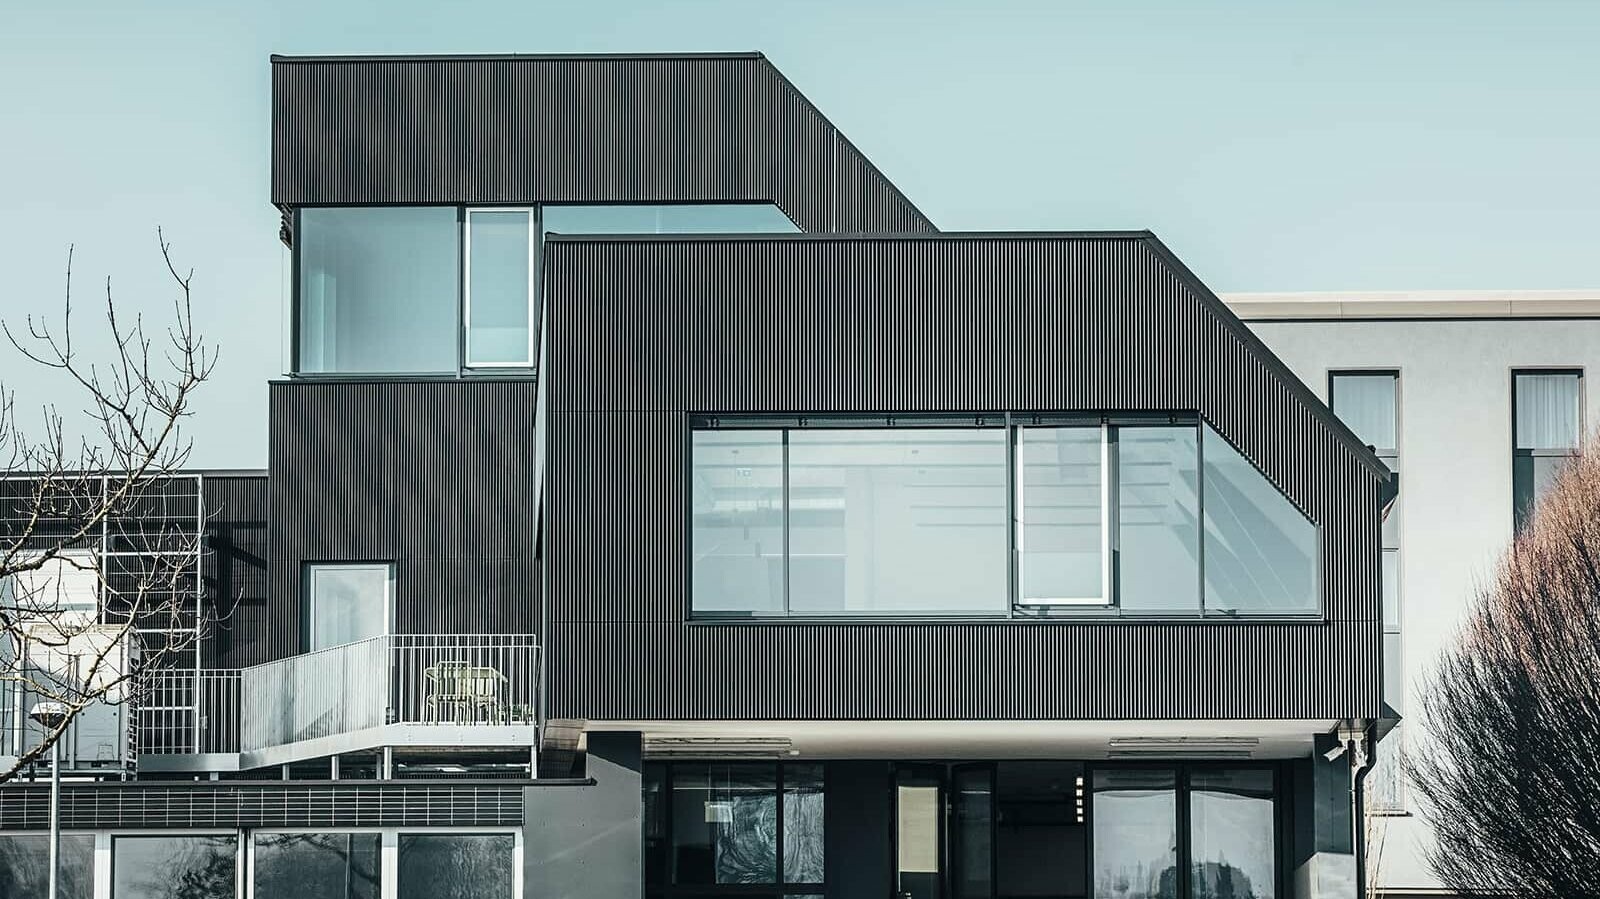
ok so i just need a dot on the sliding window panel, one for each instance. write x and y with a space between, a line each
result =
1158 531
898 521
25 866
378 290
500 290
1261 553
804 807
736 520
1232 833
1061 509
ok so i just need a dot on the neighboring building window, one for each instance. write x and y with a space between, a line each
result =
68 582
1368 402
715 824
1548 420
377 289
347 602
380 289
158 867
438 865
908 517
500 288
25 865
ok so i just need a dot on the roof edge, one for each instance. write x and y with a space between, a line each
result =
1414 304
862 237
290 59
1234 323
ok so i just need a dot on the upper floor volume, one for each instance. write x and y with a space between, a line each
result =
416 191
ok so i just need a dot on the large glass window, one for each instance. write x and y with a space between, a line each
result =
1548 419
500 287
1260 552
25 866
194 867
455 866
1158 519
347 602
678 218
897 521
317 865
737 520
378 289
1062 511
906 518
716 824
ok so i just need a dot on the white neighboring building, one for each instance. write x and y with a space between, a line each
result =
1488 394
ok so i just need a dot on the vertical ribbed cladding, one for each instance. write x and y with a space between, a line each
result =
433 476
235 570
574 129
1028 323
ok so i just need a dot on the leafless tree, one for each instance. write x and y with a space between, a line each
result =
100 576
1511 773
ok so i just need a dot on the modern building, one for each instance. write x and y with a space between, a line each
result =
660 505
1472 398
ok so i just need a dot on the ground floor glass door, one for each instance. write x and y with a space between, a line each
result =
972 818
919 832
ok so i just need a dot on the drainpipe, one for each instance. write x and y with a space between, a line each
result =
1357 738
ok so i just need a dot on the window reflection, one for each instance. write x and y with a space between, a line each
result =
316 866
736 516
724 823
193 867
1135 834
25 866
454 866
1061 515
1158 515
1260 552
1231 827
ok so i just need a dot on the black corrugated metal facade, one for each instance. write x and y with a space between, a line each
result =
981 323
530 129
235 569
434 476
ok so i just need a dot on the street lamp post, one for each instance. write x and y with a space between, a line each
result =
50 716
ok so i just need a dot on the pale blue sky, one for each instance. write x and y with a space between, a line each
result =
1272 145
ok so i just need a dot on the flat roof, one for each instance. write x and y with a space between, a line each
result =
1414 305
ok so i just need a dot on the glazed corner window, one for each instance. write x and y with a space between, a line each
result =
1548 424
347 602
709 824
989 516
377 289
500 287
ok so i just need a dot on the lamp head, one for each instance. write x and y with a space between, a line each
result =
50 715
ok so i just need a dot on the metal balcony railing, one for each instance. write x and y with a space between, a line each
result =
424 679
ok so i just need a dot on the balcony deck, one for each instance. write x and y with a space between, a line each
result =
399 690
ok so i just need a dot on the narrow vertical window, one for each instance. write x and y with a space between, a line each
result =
1062 510
500 289
1548 424
347 602
1158 519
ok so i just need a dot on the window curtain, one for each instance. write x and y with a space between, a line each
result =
1365 403
1547 412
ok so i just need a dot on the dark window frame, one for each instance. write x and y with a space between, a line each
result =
1015 611
663 770
1520 511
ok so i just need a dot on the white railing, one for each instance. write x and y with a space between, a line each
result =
441 679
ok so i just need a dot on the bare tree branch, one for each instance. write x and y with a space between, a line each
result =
1512 714
101 543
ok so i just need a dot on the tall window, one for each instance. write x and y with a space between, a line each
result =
1369 403
347 602
989 516
197 867
500 288
1548 422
